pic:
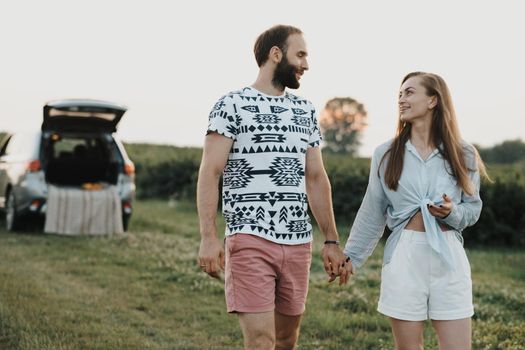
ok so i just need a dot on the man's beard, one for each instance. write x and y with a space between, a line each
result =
284 75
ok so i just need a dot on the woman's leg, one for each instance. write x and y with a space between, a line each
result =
454 334
408 335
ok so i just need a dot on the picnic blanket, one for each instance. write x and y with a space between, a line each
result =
75 211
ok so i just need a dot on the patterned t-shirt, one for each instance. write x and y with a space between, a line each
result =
264 189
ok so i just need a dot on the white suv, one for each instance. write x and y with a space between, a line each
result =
75 146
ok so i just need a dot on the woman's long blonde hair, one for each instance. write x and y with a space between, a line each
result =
444 131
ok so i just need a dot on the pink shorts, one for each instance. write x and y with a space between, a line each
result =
264 276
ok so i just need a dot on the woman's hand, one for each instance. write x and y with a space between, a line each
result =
345 271
443 209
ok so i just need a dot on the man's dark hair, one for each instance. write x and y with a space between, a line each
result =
275 36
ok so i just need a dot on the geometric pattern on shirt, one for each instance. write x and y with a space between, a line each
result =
278 109
301 121
267 118
231 199
297 226
261 138
244 129
315 143
273 149
297 211
240 216
294 235
261 98
284 171
221 114
252 109
219 105
299 118
236 174
287 171
298 111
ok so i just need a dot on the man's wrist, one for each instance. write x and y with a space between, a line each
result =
210 234
331 236
331 241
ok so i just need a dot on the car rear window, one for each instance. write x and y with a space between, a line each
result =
99 148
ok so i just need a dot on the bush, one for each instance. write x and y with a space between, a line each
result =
502 221
171 172
165 171
507 152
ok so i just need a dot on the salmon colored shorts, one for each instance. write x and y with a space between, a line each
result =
264 276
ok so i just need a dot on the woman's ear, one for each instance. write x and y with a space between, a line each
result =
432 102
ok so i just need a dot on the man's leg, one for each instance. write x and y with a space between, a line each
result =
258 330
286 331
454 335
408 335
291 291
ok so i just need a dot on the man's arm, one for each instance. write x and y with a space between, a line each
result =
320 201
214 158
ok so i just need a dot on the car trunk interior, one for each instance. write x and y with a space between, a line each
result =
78 159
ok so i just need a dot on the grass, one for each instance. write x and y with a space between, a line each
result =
143 290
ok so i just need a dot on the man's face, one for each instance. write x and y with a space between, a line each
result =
289 70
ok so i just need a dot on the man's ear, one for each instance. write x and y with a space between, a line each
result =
275 54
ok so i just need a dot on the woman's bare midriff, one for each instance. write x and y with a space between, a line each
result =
416 223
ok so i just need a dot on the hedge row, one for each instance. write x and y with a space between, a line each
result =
169 172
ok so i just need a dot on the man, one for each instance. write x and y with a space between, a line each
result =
265 142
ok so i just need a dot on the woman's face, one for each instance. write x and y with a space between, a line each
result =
413 101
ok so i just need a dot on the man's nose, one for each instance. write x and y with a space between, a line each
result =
305 65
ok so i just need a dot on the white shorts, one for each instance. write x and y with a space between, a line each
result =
416 284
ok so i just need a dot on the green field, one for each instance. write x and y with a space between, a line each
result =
143 290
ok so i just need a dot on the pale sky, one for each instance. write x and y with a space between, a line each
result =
169 61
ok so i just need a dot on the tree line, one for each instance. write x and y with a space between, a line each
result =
171 172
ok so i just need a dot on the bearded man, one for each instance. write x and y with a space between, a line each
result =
265 142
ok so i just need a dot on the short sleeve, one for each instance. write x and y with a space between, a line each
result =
315 131
222 118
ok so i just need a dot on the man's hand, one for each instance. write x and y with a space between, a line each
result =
214 158
333 260
211 256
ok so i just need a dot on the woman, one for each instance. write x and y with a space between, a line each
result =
424 184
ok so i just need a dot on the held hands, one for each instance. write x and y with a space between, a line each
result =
336 263
441 209
211 256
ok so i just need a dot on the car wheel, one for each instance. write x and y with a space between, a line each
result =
11 216
125 222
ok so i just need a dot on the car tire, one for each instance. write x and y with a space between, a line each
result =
12 220
125 222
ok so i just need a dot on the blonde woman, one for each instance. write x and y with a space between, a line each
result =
424 185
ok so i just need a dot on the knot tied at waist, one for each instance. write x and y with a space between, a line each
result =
435 237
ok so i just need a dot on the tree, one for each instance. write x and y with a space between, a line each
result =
341 121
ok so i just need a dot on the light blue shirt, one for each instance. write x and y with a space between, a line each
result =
421 182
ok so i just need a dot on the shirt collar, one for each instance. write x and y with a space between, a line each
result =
410 147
